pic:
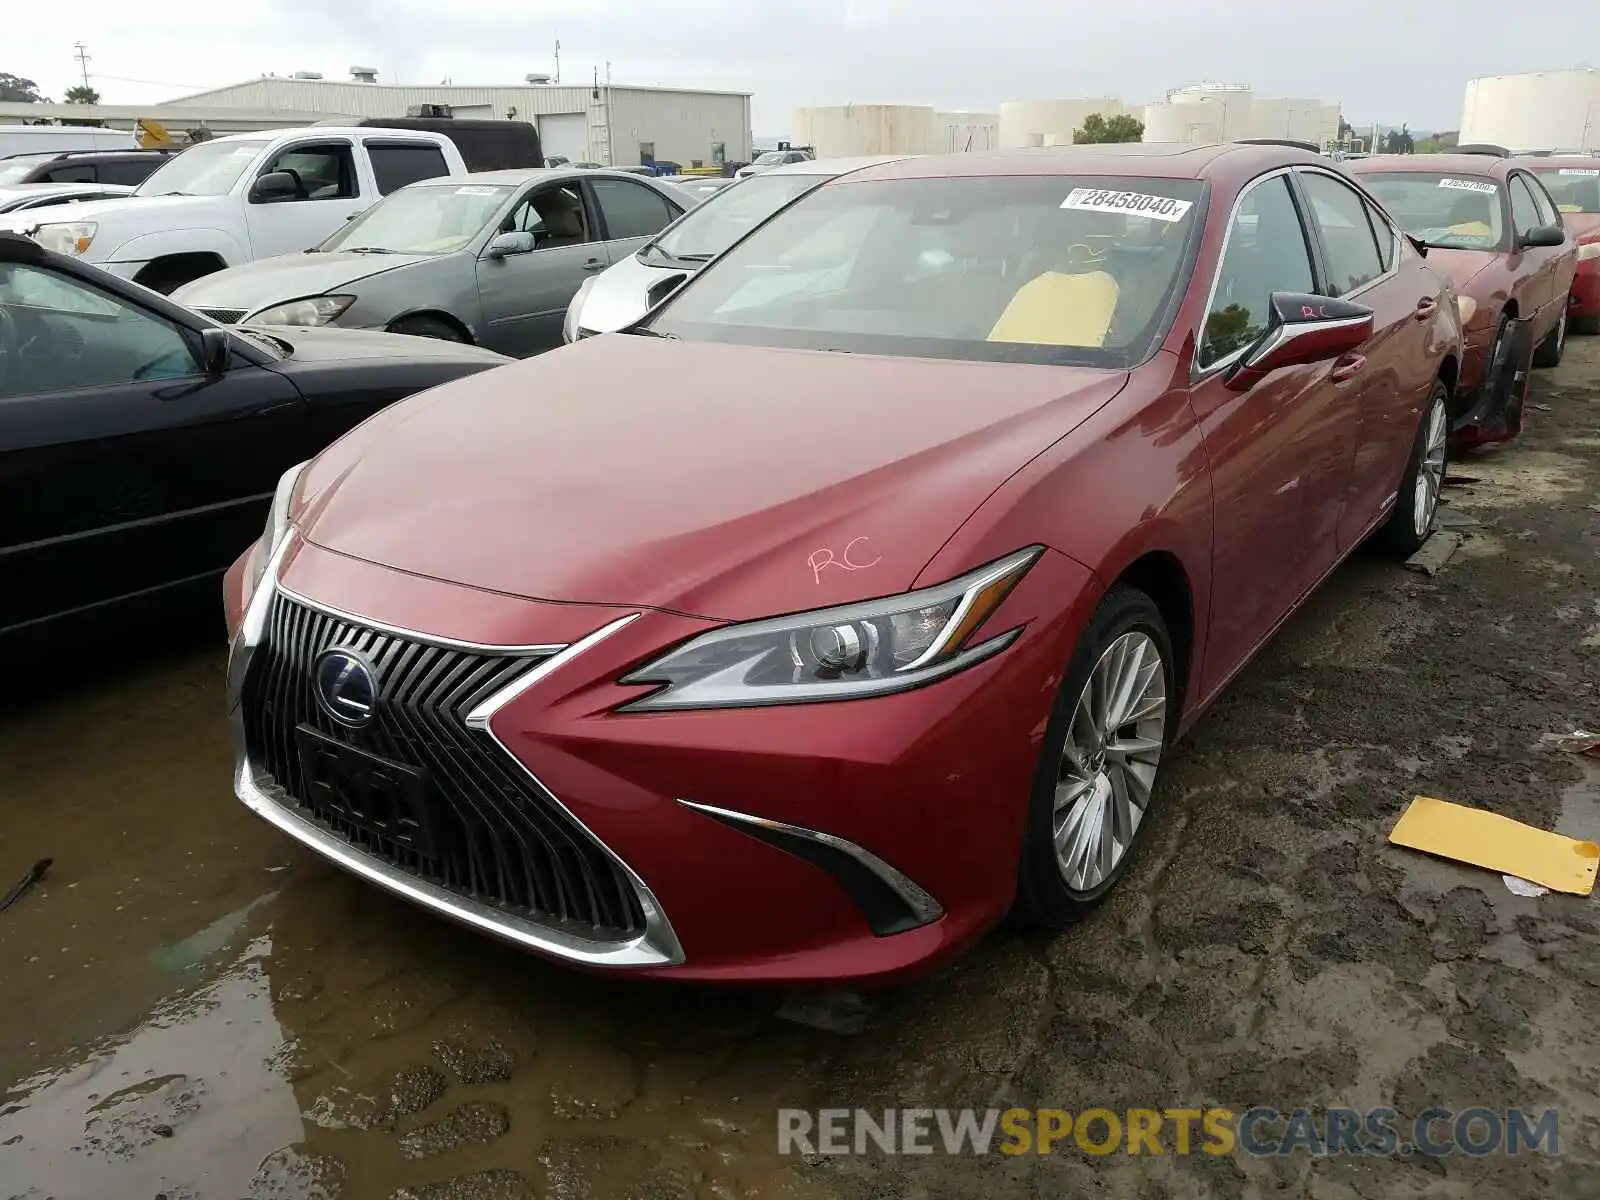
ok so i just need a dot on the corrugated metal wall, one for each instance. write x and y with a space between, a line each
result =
682 126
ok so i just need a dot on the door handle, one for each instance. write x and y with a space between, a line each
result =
1347 367
594 264
1426 307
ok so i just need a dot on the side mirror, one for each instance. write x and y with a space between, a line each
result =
1543 235
505 244
214 349
273 187
1301 330
1417 244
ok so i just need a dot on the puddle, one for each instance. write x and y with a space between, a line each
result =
186 1105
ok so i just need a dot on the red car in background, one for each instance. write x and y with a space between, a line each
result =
819 679
1573 181
1490 227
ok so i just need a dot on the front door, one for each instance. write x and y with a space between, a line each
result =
1275 468
123 468
525 296
328 194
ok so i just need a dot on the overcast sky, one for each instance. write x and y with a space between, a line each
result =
1389 60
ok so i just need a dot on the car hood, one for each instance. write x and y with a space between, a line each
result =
341 345
620 294
253 286
648 472
1460 267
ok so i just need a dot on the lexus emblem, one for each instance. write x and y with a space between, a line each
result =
347 687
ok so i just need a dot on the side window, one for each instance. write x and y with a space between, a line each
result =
77 173
395 164
128 172
75 337
555 217
1388 236
1341 217
322 172
631 210
1541 200
1524 212
1266 253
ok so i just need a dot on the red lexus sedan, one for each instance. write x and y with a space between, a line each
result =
1492 229
1573 181
973 481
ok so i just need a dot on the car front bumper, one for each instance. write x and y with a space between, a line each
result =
861 841
1584 299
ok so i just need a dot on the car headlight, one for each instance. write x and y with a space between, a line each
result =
571 331
277 527
1588 250
313 310
1466 306
66 237
843 653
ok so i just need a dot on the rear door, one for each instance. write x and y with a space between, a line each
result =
1274 474
632 213
1389 378
330 191
123 468
525 296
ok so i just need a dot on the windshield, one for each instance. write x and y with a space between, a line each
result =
1574 189
1050 269
1449 211
13 169
772 158
208 169
423 220
717 223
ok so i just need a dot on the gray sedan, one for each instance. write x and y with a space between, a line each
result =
490 258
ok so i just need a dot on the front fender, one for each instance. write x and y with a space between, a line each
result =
146 247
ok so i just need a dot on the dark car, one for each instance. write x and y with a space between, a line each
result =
128 168
139 442
851 599
1490 228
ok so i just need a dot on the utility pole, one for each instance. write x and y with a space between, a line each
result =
82 56
558 60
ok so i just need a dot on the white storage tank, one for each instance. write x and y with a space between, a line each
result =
1052 122
965 132
1289 117
1233 98
1538 110
839 131
1197 122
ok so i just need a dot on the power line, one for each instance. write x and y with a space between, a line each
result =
192 87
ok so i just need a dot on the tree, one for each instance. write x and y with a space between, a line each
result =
1439 143
81 94
16 90
1099 131
1399 141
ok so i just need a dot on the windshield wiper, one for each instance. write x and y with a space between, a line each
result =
707 257
655 333
282 348
369 250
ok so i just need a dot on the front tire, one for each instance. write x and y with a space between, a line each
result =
1555 345
1113 718
1417 504
428 327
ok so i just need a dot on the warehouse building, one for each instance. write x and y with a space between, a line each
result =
1537 110
839 131
610 124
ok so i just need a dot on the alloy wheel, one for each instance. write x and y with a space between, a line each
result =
1109 762
1430 471
1561 332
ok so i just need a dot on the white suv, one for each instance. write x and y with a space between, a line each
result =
239 198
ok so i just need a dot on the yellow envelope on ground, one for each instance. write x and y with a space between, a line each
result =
1486 839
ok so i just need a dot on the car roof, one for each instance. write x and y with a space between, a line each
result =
517 175
835 166
1456 164
1226 162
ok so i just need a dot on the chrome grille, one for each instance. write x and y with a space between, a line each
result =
222 316
500 838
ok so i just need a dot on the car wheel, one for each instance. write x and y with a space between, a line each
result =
1554 346
1411 521
428 327
1112 721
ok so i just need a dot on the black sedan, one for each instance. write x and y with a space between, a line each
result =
140 444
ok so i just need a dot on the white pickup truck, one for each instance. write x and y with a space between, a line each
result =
242 197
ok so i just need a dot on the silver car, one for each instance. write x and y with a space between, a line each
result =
490 258
638 282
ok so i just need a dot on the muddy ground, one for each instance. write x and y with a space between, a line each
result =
191 1006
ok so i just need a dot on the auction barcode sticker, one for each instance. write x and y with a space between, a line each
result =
1469 185
1137 204
475 190
1577 171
